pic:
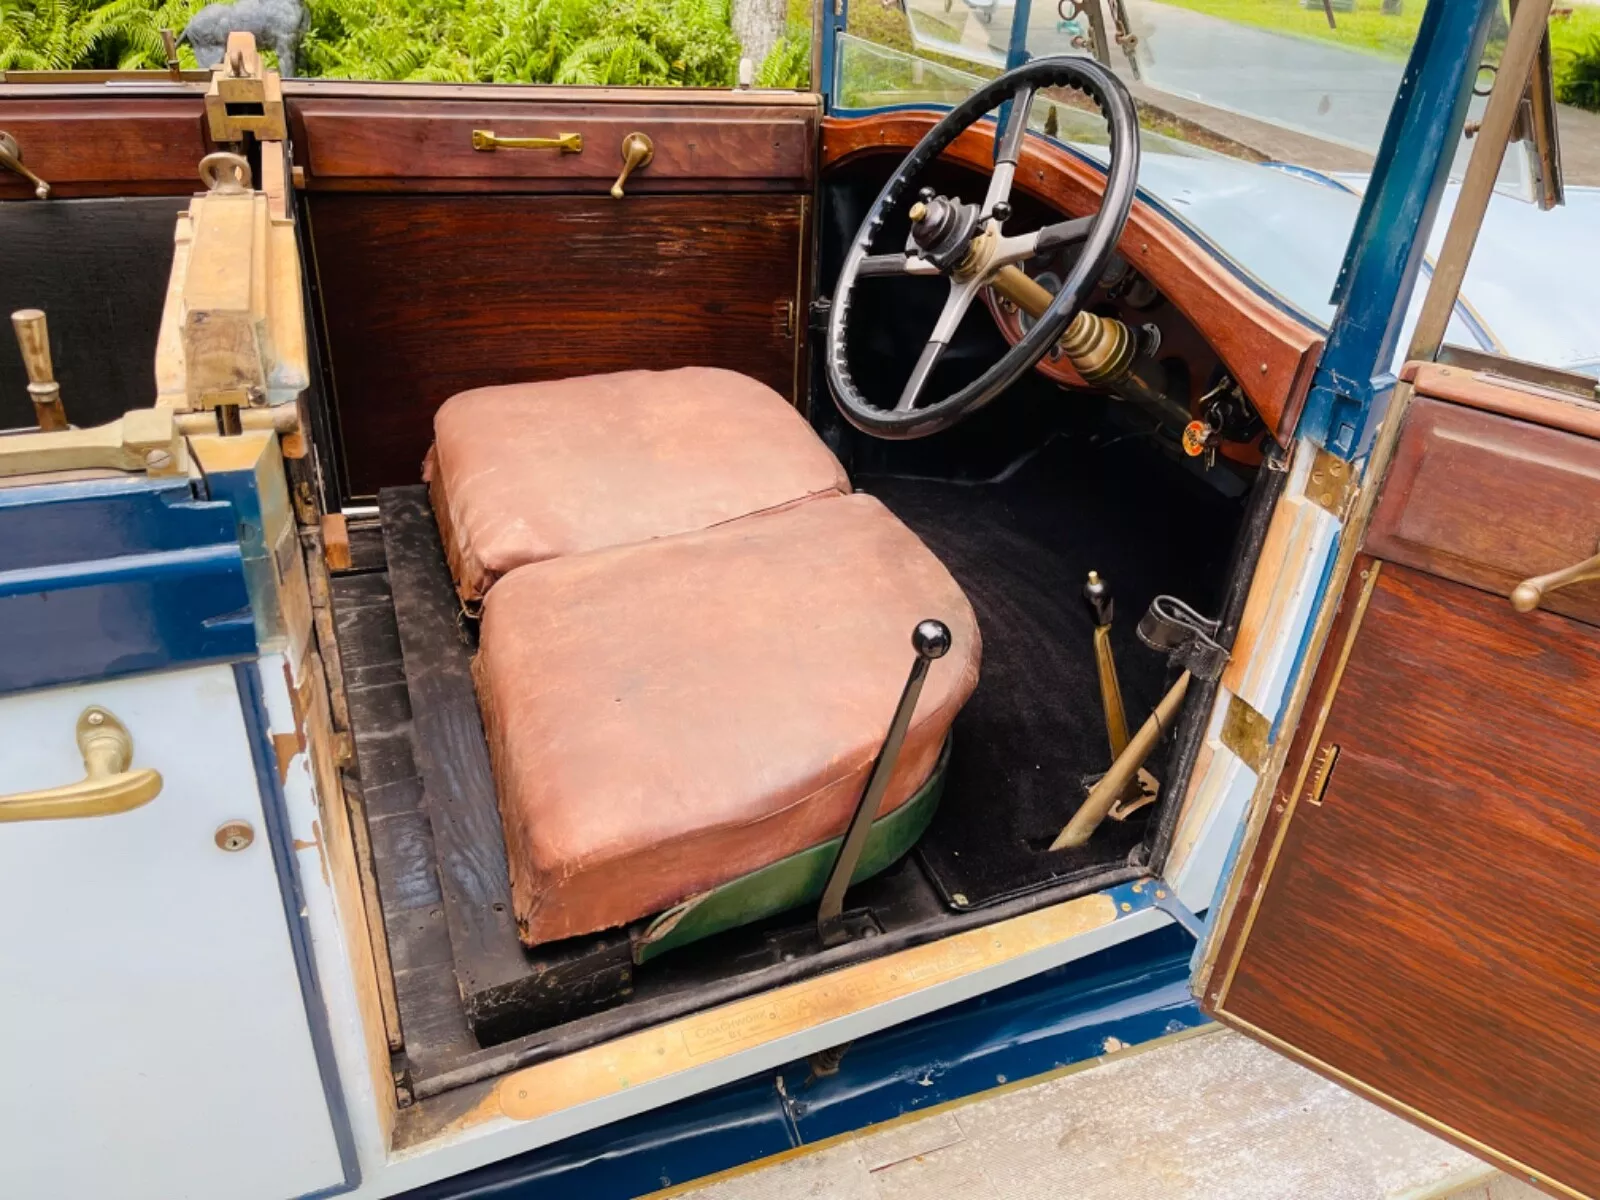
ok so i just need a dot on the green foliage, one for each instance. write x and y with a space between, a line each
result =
1578 75
788 63
659 42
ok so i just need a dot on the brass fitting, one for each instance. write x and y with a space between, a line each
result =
1100 348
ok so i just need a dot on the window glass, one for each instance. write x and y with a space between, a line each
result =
696 43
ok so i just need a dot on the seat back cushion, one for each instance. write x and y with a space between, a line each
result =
528 472
668 716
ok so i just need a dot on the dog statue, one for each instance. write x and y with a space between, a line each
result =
277 24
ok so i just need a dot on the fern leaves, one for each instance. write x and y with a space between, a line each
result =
660 42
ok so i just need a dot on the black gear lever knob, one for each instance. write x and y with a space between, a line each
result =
931 639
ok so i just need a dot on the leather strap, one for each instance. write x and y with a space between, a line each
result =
1187 637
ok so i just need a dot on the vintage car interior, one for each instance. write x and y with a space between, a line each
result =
646 647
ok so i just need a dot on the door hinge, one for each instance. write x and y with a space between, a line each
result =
1331 484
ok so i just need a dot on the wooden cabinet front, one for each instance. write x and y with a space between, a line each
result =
1416 918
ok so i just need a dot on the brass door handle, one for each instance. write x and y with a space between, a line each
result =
637 151
11 160
108 785
567 143
1530 593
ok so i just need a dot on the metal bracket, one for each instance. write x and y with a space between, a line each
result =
244 98
1246 732
1167 901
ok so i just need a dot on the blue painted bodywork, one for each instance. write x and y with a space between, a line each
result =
114 577
1133 992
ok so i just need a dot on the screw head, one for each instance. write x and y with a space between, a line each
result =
96 718
158 460
234 836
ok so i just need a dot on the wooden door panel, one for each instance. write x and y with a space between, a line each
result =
97 144
425 296
1425 929
1488 501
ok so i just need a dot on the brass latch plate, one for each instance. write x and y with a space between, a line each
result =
1331 484
1246 732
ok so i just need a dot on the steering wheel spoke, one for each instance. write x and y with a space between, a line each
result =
1063 233
944 329
1008 149
895 264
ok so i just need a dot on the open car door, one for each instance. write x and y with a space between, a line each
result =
1398 916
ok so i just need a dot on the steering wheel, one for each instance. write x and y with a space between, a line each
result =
964 243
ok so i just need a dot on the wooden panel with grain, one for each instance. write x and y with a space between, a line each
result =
1508 396
1424 931
414 145
1490 501
1270 353
426 296
105 145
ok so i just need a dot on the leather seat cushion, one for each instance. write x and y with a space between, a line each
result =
668 716
532 471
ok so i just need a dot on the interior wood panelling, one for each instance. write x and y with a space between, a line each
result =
424 297
101 144
1270 353
377 143
1426 927
1485 500
1510 397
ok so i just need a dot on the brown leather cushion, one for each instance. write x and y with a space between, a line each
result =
533 471
667 716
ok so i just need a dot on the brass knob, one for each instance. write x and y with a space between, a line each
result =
1530 593
11 160
637 151
918 211
33 339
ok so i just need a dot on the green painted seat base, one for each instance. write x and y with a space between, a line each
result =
793 881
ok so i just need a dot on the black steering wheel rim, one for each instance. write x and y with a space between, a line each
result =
1085 75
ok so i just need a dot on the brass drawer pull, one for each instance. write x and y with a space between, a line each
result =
107 787
1530 593
567 143
11 160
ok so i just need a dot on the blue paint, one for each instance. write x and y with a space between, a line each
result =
835 19
1131 992
1382 261
1017 51
275 819
105 578
1311 173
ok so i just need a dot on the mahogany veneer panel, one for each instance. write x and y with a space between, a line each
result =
1426 928
1489 501
420 145
106 145
425 296
1268 352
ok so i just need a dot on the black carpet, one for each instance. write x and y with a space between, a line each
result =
1021 548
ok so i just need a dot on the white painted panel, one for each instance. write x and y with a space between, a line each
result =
152 1027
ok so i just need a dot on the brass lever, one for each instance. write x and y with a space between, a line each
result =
11 159
1098 595
108 785
33 339
567 143
637 151
1530 593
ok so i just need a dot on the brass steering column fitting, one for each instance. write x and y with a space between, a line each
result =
1101 349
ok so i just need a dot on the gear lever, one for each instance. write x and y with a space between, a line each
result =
1097 592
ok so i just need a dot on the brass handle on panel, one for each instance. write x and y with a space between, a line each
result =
567 143
637 151
107 787
1530 593
11 160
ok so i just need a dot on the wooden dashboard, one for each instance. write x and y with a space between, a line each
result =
1269 353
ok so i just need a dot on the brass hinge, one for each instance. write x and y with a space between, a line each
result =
1246 732
1332 483
244 98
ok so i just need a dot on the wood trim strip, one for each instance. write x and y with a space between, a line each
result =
1508 397
1271 354
654 1054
